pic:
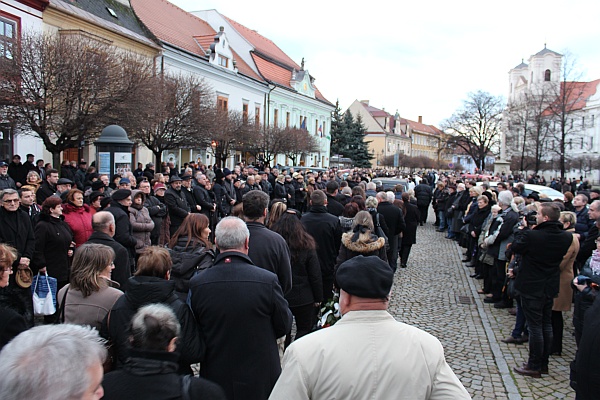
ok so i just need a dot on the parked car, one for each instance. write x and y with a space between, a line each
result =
539 189
390 183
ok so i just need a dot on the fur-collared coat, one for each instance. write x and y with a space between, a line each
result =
366 245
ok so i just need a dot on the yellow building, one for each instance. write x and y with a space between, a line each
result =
427 140
383 132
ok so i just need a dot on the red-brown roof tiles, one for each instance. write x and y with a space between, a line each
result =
172 25
244 68
421 127
273 72
577 94
263 45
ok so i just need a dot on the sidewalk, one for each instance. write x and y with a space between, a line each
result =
436 294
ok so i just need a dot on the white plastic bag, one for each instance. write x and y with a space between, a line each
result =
44 305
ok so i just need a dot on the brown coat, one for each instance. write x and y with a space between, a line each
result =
565 294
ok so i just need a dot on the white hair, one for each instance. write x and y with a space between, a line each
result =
231 233
371 186
390 196
505 197
50 362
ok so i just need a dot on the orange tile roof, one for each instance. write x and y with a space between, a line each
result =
577 94
171 24
273 72
244 68
205 41
262 44
421 127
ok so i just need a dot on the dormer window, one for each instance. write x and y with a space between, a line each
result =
547 75
223 61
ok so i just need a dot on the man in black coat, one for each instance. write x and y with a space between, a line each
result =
334 207
16 230
119 208
325 228
17 171
188 192
394 219
268 249
588 244
176 204
542 249
241 312
103 224
423 194
6 182
48 187
202 196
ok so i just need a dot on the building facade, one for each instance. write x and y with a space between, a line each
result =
535 126
292 99
384 132
17 17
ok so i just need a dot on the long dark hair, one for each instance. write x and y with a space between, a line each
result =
192 227
292 230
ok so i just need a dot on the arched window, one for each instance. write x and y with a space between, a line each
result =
547 75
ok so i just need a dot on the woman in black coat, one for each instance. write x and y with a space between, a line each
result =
53 242
475 223
151 284
151 370
412 217
11 322
306 294
187 249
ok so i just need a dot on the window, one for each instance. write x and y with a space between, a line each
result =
583 122
592 123
257 116
287 119
324 132
275 117
547 75
245 113
222 103
316 126
223 61
8 36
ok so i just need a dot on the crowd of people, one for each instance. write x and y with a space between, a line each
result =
163 265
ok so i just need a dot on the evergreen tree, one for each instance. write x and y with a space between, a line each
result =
361 155
353 144
337 130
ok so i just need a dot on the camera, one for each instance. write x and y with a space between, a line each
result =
584 280
530 217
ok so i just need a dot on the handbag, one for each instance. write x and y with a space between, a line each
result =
380 233
44 295
24 276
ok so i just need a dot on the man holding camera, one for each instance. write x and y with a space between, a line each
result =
542 249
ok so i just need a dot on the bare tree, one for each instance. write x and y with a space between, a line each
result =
269 141
298 142
564 112
227 131
475 127
66 88
177 112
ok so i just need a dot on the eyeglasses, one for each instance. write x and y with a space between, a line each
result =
11 201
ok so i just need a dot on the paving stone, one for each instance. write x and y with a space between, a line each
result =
426 295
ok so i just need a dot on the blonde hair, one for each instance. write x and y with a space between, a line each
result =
570 217
277 210
8 255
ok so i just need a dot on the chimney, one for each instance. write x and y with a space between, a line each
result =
420 119
365 102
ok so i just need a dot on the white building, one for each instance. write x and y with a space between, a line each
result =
16 17
533 87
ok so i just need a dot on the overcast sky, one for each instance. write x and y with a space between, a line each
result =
420 58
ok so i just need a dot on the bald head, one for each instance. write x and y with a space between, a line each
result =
104 222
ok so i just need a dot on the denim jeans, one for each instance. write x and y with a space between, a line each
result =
442 218
449 222
538 313
520 325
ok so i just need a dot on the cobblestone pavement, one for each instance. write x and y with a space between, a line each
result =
436 294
